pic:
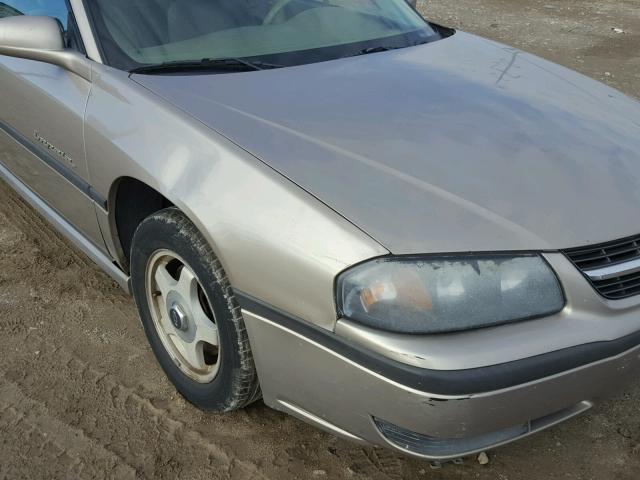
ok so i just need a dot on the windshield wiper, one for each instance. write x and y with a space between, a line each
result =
369 50
220 64
383 48
379 49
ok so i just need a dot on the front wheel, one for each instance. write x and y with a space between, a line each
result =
190 315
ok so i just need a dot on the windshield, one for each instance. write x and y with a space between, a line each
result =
134 33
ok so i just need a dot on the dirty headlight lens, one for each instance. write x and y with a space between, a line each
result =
448 294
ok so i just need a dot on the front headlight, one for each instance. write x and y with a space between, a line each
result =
448 294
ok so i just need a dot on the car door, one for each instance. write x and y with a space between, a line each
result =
41 124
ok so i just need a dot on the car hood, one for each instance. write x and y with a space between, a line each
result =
458 145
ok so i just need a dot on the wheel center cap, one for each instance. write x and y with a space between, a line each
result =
178 317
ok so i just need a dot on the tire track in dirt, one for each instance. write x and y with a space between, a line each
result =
96 399
65 452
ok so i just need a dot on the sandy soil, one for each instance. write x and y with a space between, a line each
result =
82 397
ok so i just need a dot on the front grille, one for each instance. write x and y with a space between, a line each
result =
609 254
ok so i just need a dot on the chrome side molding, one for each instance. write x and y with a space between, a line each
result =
66 229
614 271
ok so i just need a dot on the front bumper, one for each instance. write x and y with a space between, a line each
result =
345 395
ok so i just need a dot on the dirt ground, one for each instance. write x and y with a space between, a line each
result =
81 395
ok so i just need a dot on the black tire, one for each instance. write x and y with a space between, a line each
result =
236 382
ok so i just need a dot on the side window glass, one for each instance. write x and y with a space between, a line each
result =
49 8
8 11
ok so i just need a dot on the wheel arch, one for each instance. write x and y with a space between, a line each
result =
131 201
